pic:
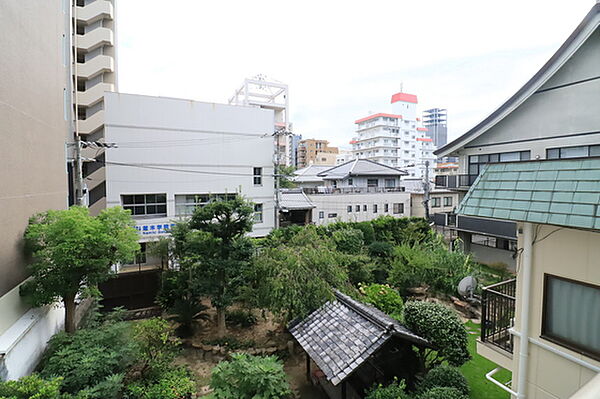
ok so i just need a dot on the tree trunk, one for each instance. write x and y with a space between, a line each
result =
221 327
69 313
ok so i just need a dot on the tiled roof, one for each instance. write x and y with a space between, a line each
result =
309 173
558 192
295 199
342 334
361 167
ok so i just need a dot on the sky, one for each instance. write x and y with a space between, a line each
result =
343 60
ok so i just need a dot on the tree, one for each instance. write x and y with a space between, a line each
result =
384 298
73 252
395 390
286 174
445 376
213 249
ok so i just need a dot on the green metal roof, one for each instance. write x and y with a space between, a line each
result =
560 192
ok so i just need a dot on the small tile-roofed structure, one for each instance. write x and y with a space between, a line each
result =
558 192
341 335
360 167
294 199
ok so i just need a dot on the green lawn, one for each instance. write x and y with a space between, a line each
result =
476 369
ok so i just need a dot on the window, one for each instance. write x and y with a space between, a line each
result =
364 208
436 202
389 183
477 162
146 204
374 208
357 208
386 208
371 182
257 176
321 215
570 315
350 182
573 152
447 201
258 213
349 208
332 215
398 208
186 204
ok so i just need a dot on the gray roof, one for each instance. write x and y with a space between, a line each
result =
309 174
573 42
341 335
360 167
295 199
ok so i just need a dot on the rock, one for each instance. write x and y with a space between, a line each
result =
418 290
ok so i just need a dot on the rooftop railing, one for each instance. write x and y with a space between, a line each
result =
352 190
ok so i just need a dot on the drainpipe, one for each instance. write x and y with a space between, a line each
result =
526 266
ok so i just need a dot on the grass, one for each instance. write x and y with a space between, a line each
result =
476 369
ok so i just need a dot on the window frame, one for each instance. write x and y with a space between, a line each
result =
375 208
211 197
145 204
257 175
565 343
321 214
258 216
400 208
436 202
446 202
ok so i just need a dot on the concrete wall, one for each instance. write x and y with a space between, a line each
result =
418 210
218 144
568 253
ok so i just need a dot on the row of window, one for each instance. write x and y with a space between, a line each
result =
477 162
397 208
436 202
573 152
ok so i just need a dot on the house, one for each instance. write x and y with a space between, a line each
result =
555 300
442 202
553 116
351 346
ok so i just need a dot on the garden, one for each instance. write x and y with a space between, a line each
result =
227 302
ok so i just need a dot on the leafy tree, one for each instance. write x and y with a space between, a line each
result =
73 252
384 298
173 383
31 387
286 176
395 390
350 241
445 376
294 279
157 347
250 377
442 327
160 249
215 251
443 393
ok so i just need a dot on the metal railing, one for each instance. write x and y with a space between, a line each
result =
455 181
352 190
498 314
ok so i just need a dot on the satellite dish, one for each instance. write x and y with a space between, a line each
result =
467 287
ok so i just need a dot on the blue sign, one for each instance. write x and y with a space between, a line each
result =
154 229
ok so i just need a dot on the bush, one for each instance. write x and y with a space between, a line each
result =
443 393
157 346
173 384
249 377
442 328
32 386
384 298
395 390
110 388
89 356
232 343
350 241
445 376
381 249
360 268
241 318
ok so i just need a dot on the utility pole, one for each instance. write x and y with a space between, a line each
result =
277 134
426 188
78 172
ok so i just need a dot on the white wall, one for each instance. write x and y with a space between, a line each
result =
217 145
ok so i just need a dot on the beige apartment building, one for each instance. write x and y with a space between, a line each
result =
35 125
317 152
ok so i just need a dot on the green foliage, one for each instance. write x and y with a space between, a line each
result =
232 343
157 347
31 387
87 357
381 249
174 383
350 241
359 267
110 388
395 390
294 279
161 249
384 298
250 377
286 175
442 327
443 393
241 318
73 252
445 376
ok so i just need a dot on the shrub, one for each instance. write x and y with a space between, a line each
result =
384 298
395 390
87 357
443 393
231 343
442 328
360 268
110 388
156 345
32 386
241 318
381 249
367 230
445 376
248 377
173 384
350 241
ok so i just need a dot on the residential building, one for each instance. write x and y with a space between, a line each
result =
436 122
343 156
397 139
441 201
294 142
358 190
318 152
35 124
174 155
268 94
544 326
94 72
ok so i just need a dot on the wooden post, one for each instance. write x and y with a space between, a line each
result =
307 367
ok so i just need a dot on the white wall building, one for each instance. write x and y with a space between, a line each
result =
397 139
174 154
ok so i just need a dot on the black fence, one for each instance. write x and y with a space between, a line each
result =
131 290
498 314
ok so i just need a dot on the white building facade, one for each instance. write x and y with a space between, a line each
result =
397 139
174 155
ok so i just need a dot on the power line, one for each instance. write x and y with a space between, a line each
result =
150 166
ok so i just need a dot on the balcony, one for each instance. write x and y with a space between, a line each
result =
97 10
94 94
498 314
94 39
351 190
91 124
95 66
455 181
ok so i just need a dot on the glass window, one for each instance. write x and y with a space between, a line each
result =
398 208
553 153
436 202
364 208
332 215
371 182
350 181
447 201
349 208
140 257
574 152
389 183
570 315
386 208
510 156
595 151
374 208
186 204
321 214
145 204
257 176
357 208
258 213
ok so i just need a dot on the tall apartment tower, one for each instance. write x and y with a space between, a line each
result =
263 93
435 120
94 72
395 139
317 152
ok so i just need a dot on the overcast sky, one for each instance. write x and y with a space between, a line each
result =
343 60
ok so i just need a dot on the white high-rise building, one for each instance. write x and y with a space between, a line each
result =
397 139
